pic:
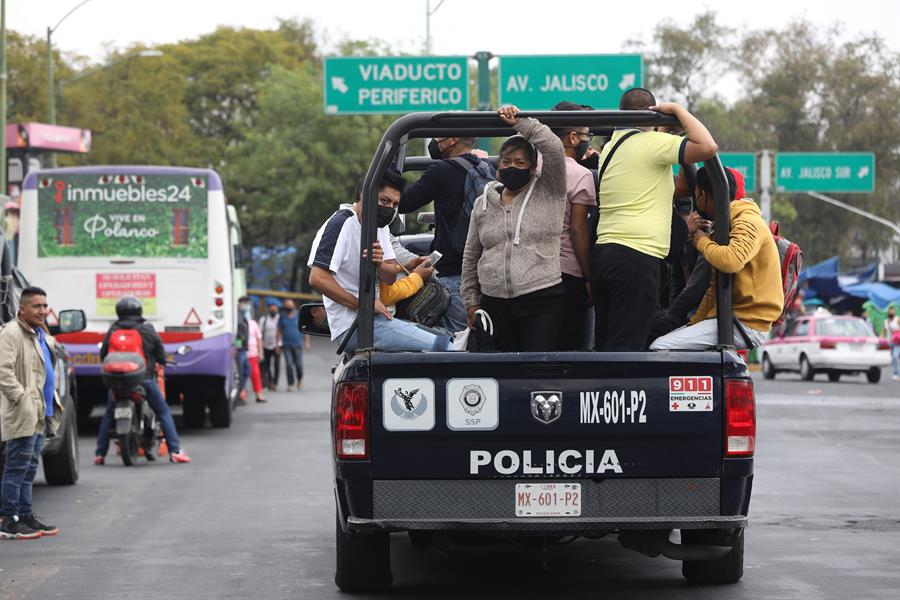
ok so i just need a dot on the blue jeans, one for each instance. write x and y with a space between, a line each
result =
159 406
456 318
402 336
243 369
293 363
22 455
895 359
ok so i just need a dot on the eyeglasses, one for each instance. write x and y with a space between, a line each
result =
589 135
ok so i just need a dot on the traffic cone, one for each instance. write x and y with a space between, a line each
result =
163 447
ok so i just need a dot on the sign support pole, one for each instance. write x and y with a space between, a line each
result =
765 185
858 211
484 89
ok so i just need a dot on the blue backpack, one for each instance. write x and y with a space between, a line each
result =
477 176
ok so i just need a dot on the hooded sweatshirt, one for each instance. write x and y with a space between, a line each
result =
751 255
514 250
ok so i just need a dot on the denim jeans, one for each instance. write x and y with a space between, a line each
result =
895 359
22 456
705 335
456 318
159 406
293 363
403 336
243 369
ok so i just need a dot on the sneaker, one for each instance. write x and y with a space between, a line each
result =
32 521
13 529
179 457
299 385
99 460
261 400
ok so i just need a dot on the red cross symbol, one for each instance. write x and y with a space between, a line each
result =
674 406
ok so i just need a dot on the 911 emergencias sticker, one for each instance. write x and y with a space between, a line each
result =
691 394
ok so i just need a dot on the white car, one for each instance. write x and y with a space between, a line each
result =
823 343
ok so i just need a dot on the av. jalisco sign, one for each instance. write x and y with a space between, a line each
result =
841 172
122 216
379 85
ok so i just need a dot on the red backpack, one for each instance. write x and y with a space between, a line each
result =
791 257
126 340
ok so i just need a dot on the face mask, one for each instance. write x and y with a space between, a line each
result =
513 178
273 312
581 148
591 162
386 215
434 149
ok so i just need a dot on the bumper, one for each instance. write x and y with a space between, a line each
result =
850 361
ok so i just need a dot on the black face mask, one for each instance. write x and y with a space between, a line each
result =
513 178
591 162
581 148
434 149
386 216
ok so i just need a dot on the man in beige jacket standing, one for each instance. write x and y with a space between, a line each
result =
28 409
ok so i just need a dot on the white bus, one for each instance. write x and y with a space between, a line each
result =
90 235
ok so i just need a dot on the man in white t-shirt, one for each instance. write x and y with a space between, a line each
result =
334 271
271 335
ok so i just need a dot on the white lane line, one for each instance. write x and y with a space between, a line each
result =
835 401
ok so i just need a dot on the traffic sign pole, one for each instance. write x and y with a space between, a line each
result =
765 185
484 89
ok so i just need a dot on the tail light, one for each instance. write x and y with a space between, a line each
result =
827 344
740 418
351 431
883 345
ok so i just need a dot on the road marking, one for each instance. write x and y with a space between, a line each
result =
20 583
831 401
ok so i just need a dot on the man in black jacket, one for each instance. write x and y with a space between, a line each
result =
130 313
444 183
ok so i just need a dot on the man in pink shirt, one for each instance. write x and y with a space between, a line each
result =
575 244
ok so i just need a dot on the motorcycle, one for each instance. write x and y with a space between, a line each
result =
135 426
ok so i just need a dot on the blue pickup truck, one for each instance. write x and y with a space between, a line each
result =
450 446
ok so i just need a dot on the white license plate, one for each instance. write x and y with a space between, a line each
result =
123 413
548 499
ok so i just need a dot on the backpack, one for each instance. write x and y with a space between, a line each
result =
427 306
791 257
243 334
126 340
477 177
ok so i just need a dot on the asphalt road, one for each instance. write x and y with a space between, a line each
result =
252 516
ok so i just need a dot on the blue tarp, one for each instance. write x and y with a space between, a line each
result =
844 291
880 294
826 268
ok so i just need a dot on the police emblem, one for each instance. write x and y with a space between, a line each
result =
408 404
472 399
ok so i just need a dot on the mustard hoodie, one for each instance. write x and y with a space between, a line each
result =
751 255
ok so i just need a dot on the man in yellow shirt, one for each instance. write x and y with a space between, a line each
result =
635 201
751 255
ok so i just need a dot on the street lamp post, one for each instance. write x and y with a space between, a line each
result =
51 103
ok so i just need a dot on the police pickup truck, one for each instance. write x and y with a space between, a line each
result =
456 445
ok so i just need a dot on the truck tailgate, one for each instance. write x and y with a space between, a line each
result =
564 415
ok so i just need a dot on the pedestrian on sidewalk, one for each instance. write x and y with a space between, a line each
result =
291 345
29 410
254 346
271 336
891 332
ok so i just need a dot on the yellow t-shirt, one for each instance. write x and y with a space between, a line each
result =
636 192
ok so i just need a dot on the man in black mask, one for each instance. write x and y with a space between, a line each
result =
444 182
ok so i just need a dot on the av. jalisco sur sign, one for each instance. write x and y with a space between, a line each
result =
378 85
841 172
539 82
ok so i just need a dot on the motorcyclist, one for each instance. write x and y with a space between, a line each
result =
130 313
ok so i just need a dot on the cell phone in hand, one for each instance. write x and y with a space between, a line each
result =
434 257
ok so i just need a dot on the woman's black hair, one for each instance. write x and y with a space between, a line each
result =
517 141
704 183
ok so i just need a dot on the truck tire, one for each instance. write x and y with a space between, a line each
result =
834 377
363 561
61 468
725 570
220 402
873 375
807 373
768 369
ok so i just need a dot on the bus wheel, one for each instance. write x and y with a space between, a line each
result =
220 403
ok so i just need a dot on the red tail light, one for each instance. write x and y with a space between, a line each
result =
351 431
883 345
827 344
740 418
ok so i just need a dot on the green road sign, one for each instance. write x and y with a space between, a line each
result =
539 82
379 85
845 172
745 162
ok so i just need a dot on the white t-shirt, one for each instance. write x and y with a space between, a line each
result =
269 325
337 247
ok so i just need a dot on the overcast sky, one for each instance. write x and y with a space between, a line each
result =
458 27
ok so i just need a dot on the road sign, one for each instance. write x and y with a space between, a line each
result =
745 162
847 172
539 82
380 85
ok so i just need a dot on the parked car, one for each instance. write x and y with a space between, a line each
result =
824 343
60 456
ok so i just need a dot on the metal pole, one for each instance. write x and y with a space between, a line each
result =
3 187
765 185
427 27
51 101
484 90
886 222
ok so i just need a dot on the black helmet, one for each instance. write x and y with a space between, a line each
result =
129 307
